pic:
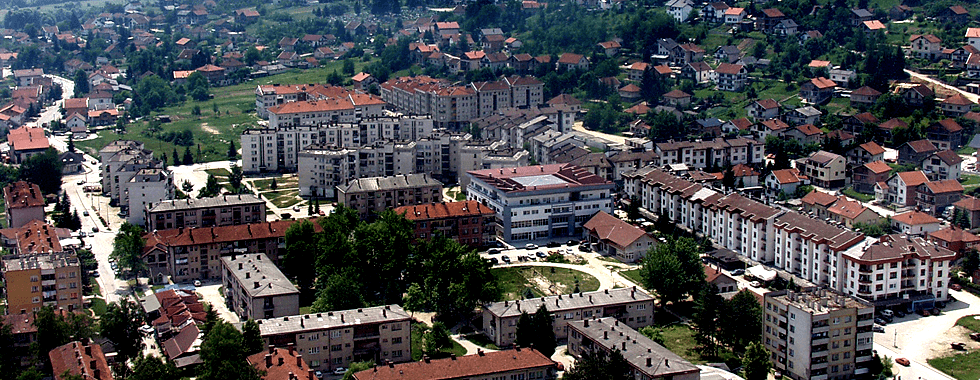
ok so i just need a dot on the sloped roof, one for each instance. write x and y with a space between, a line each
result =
611 228
866 91
968 203
913 178
463 367
872 148
944 186
915 218
954 234
816 197
878 167
443 210
921 146
949 157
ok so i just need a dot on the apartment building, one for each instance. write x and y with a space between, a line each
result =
277 148
225 210
540 202
337 338
456 105
467 222
79 359
34 238
375 194
35 281
631 306
271 95
24 203
818 334
824 169
898 266
519 363
647 359
187 254
715 153
256 288
148 187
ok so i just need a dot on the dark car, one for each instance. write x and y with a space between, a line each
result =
878 329
493 251
941 304
553 244
886 317
494 261
584 248
738 272
540 254
899 313
881 321
506 259
571 243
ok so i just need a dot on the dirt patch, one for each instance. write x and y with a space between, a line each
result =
941 346
209 129
547 287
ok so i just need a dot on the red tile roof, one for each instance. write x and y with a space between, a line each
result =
611 228
819 198
444 210
773 13
280 363
677 94
913 178
76 103
944 186
866 91
210 235
36 237
27 138
767 104
22 194
469 366
786 176
874 25
872 148
954 234
968 203
847 209
823 83
915 218
867 117
743 170
504 179
809 129
928 37
949 157
729 68
893 123
82 359
957 100
921 146
878 167
972 32
570 58
949 125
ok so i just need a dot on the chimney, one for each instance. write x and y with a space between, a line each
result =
292 348
341 318
247 274
649 362
384 313
282 360
310 375
88 350
291 375
268 360
666 362
272 349
390 364
586 323
93 364
605 335
299 361
624 346
479 352
256 284
239 265
453 356
425 358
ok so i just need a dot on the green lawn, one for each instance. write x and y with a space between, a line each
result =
856 195
283 198
966 150
961 366
93 289
633 275
514 280
417 348
970 180
971 322
218 173
98 306
481 340
679 339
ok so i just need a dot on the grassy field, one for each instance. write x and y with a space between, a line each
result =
98 306
632 275
970 180
212 131
514 280
961 366
481 340
971 322
856 195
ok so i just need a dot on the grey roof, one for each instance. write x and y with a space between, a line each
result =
568 301
329 320
71 158
190 204
635 347
258 275
862 13
808 111
401 181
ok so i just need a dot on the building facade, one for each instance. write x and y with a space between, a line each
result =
205 212
467 222
646 358
24 202
255 287
376 194
41 280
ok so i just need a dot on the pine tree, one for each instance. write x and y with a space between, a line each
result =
188 157
176 157
232 151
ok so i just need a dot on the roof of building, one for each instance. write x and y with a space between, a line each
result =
817 197
968 203
22 194
570 58
27 138
729 68
767 104
872 148
922 146
948 125
80 358
866 91
954 234
259 276
868 117
817 302
187 340
898 247
913 178
199 203
970 33
613 229
324 321
281 364
773 13
444 210
786 176
743 170
809 129
928 37
823 83
76 103
541 177
949 157
823 157
957 100
463 367
677 94
210 235
401 181
817 230
557 303
644 355
847 209
874 25
878 167
915 218
37 236
944 186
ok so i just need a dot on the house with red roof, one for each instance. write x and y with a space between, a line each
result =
864 153
763 109
362 81
900 188
24 203
926 46
915 223
616 238
817 202
956 105
913 152
784 181
805 134
278 363
971 206
824 169
79 359
864 96
730 77
525 363
954 239
678 98
864 177
945 134
569 61
935 196
817 90
467 222
715 276
26 142
955 14
848 212
944 164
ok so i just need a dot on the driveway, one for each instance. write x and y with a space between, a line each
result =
920 338
210 294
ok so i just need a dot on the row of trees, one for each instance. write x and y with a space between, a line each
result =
357 263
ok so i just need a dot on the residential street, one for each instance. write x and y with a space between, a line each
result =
974 98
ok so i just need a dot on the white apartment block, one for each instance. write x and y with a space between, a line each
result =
456 105
717 153
146 188
540 202
809 248
897 265
267 96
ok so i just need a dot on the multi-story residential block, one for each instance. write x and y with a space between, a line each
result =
226 210
926 46
277 149
120 161
335 339
614 237
902 268
375 194
271 95
453 105
901 188
467 222
824 169
818 334
955 239
631 306
79 359
323 111
935 196
519 363
40 280
187 254
24 202
148 187
256 288
970 206
647 359
540 202
730 76
942 165
763 109
716 153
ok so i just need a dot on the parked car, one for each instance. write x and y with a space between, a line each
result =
571 243
878 328
339 371
146 329
530 246
960 346
493 251
975 336
197 282
738 272
881 321
505 259
956 287
95 229
553 244
899 313
887 313
540 254
903 361
941 304
584 248
886 318
494 261
924 312
935 311
95 273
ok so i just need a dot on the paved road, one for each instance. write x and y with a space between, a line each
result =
614 138
974 98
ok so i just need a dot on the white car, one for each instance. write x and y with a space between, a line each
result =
197 282
146 329
339 371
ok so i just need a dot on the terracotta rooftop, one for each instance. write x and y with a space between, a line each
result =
949 125
611 228
282 364
896 247
878 167
847 209
913 178
767 104
773 13
915 218
82 359
823 83
872 148
210 235
892 124
949 157
36 237
954 234
27 138
944 186
22 194
677 94
786 176
729 68
444 210
816 197
818 231
957 100
809 129
968 203
866 91
463 367
922 146
527 178
570 58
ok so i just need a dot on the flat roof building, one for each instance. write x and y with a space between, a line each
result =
256 288
337 338
35 281
629 305
647 359
225 210
376 194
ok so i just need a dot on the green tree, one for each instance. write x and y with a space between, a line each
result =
223 355
44 170
705 322
437 339
600 365
198 87
633 212
356 367
9 364
274 185
153 368
756 362
348 68
187 186
235 177
450 279
301 248
71 143
54 329
211 319
252 337
232 150
127 249
81 83
743 320
655 334
340 291
971 262
120 324
188 157
211 188
538 330
673 269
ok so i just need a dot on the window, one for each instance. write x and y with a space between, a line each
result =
334 334
396 353
336 347
396 326
397 340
